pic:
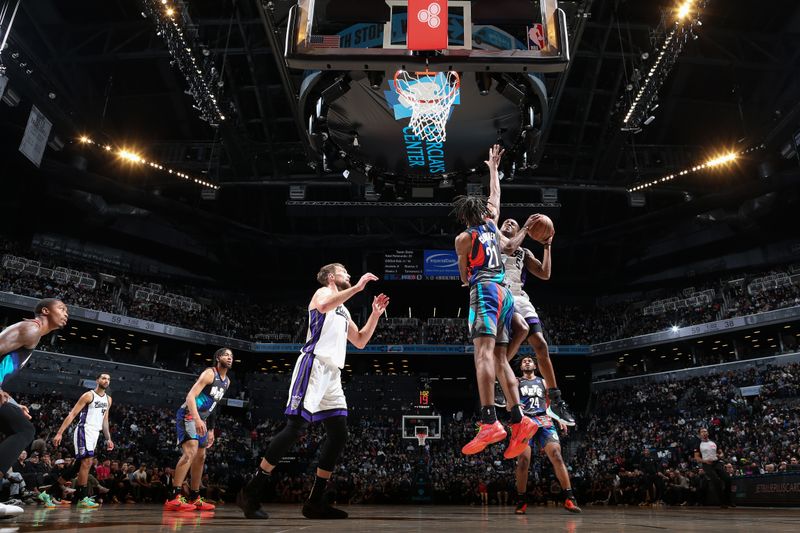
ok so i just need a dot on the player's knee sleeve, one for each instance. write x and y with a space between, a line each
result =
335 440
280 444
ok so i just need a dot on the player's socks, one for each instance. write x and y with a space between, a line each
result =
193 495
488 414
249 498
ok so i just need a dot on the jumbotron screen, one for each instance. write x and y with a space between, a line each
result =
414 265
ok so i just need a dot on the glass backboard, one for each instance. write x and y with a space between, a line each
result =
483 35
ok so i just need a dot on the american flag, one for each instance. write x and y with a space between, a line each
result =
323 41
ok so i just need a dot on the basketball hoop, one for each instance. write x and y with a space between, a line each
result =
421 438
430 95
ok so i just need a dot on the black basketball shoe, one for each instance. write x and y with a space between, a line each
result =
249 504
559 410
322 511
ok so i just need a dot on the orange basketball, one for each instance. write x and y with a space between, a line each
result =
542 229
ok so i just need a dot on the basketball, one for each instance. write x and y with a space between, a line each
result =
542 229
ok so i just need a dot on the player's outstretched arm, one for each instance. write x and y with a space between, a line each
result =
85 398
360 337
495 154
325 299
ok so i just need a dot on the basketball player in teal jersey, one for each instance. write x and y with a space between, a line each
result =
92 408
518 261
532 391
17 342
491 310
195 426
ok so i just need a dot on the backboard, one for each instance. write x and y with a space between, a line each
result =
412 424
483 35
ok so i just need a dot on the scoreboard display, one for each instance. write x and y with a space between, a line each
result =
403 265
415 265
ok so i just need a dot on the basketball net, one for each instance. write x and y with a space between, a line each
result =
421 438
430 95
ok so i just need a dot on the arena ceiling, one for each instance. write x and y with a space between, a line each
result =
734 87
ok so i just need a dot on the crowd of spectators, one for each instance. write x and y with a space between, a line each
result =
637 444
633 447
236 316
139 469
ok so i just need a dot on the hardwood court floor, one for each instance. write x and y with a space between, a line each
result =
388 519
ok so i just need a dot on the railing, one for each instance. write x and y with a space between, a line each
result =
694 299
61 275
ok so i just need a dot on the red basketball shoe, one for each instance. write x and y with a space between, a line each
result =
488 434
178 504
201 505
571 505
521 433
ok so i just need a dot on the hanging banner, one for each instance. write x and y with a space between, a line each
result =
36 134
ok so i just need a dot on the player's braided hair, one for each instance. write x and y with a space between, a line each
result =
470 210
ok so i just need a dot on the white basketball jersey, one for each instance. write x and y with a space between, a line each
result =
327 335
516 273
92 414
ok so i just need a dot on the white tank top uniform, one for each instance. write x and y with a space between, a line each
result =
90 424
516 274
316 391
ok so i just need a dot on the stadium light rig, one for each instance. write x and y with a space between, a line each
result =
203 79
718 161
136 158
677 29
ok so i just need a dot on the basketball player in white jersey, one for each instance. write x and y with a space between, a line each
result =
315 393
518 263
93 407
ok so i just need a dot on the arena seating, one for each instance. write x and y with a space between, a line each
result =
35 274
605 452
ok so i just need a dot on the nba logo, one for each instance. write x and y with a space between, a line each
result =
536 37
